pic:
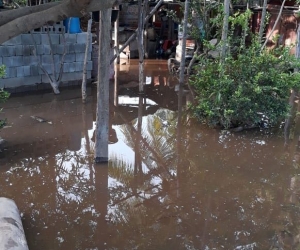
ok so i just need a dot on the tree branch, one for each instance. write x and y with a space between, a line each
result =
56 13
10 15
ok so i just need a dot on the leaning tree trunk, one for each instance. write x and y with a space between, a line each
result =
275 24
225 29
87 49
102 121
262 20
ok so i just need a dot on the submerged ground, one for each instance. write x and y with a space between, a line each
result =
166 186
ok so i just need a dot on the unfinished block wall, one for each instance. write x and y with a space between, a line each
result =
23 54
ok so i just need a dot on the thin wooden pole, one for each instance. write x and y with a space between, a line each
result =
116 38
140 40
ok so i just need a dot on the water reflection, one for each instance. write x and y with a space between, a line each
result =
169 183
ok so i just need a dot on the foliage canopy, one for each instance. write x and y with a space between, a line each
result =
249 84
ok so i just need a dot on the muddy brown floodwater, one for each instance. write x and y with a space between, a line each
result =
166 186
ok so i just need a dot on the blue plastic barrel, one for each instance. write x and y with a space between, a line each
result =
73 23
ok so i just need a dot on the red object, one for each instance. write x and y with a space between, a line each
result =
167 44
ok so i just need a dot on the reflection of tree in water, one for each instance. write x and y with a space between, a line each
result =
58 200
232 197
232 192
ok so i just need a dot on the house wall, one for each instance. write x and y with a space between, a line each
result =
286 28
22 55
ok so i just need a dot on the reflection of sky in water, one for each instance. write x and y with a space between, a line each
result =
70 168
122 100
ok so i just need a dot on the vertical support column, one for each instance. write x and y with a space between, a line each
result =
116 38
102 121
140 38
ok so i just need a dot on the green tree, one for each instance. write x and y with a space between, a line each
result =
249 84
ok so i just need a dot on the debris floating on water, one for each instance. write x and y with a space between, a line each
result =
40 119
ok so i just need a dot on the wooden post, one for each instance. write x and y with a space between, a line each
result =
291 117
133 36
102 121
140 38
12 234
116 85
87 49
116 38
183 48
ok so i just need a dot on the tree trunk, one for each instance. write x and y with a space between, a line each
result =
87 49
225 29
275 24
262 20
102 121
183 48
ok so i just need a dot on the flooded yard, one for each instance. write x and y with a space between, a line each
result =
167 185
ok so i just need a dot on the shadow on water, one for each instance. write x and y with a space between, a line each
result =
170 183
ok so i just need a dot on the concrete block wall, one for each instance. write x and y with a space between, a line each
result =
23 54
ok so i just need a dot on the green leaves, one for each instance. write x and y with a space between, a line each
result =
239 91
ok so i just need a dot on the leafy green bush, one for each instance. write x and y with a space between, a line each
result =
3 94
238 91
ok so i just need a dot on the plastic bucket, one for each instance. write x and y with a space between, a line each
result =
72 25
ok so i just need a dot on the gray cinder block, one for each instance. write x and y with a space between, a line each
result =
31 60
79 48
27 50
71 76
47 49
81 38
59 49
40 49
48 68
69 38
34 70
20 71
69 67
31 39
11 50
27 71
10 72
89 74
79 66
80 57
31 80
70 48
19 50
46 59
14 41
13 61
3 51
54 39
89 65
70 58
